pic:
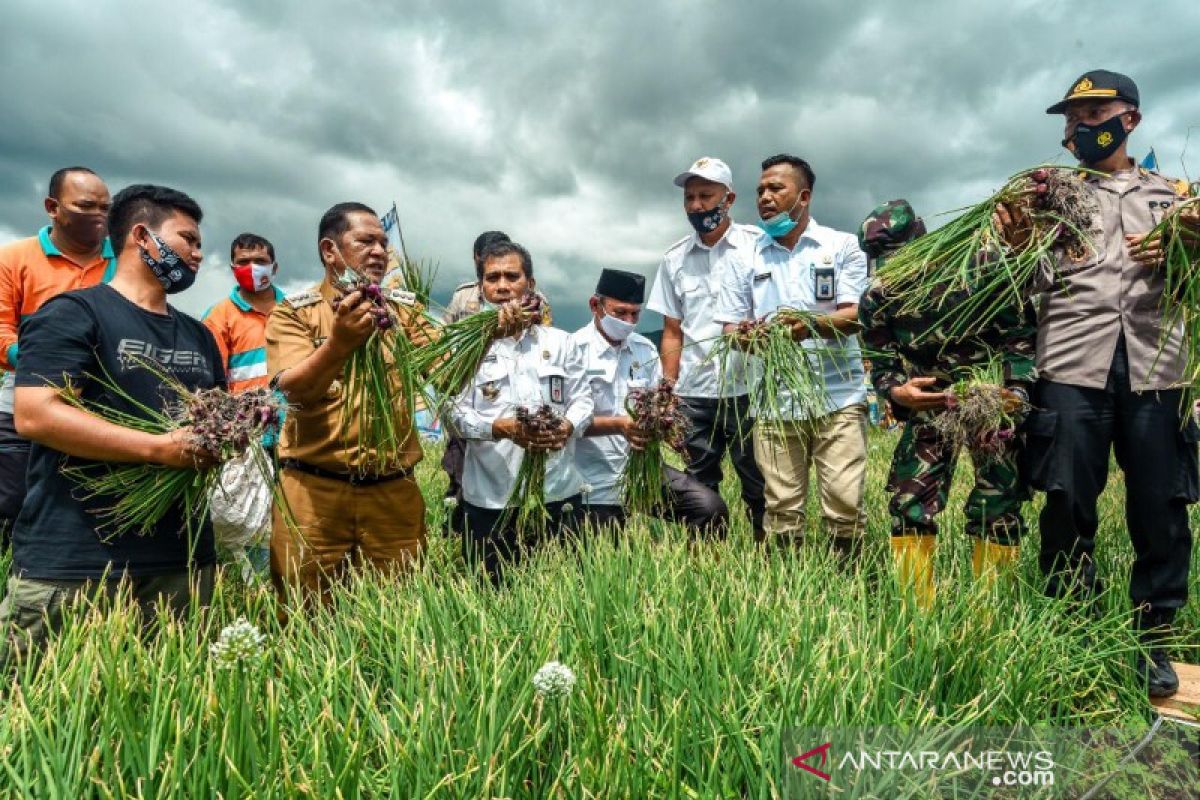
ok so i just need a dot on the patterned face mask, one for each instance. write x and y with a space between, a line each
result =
708 221
172 273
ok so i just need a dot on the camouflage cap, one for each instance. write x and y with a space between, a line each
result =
888 226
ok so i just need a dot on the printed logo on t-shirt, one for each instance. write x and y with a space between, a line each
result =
131 351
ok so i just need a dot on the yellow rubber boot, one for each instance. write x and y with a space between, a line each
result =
914 566
990 559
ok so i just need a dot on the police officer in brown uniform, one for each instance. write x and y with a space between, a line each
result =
1111 377
347 504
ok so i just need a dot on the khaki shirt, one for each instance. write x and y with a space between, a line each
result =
1087 304
299 325
468 299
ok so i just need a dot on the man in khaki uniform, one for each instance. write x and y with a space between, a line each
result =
1110 378
348 506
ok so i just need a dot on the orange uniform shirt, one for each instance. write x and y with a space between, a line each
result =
241 334
31 272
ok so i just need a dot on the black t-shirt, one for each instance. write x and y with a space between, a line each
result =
80 335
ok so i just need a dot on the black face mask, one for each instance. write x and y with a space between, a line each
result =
1093 144
172 273
708 221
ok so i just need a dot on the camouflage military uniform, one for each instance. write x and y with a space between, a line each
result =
902 347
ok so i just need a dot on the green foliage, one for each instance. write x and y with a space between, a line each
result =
692 662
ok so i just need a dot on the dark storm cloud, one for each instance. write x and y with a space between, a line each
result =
560 123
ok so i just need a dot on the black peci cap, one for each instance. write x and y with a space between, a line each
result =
1098 84
628 287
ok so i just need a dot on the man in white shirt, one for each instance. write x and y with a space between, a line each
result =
533 368
800 264
616 360
685 292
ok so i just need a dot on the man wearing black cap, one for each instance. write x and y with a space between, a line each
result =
1110 377
618 360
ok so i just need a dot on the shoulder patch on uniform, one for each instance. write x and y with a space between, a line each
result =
678 244
1182 187
305 297
401 296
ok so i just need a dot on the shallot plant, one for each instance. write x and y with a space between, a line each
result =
381 384
526 507
791 374
455 357
657 414
222 424
965 273
1179 235
981 415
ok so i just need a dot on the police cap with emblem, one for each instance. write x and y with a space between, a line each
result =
1099 84
627 287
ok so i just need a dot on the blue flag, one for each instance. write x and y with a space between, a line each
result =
1150 162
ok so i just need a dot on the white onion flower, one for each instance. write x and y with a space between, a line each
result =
238 642
450 503
554 680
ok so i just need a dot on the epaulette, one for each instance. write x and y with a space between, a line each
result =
400 296
467 285
679 244
1182 187
305 297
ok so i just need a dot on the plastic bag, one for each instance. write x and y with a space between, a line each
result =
241 513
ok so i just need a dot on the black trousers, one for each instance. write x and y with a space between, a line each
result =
14 460
1070 436
688 501
485 541
453 460
717 427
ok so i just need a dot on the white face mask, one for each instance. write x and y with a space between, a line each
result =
616 329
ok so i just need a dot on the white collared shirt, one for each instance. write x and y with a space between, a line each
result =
774 277
687 287
612 371
538 368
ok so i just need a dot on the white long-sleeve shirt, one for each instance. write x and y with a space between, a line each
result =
611 372
539 367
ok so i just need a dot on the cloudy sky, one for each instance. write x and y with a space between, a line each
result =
561 123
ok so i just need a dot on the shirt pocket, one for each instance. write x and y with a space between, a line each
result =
696 295
763 290
493 386
553 380
1089 252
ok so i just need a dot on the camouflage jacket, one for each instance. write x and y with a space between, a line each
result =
903 346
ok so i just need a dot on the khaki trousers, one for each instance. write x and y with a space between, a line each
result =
836 446
342 525
33 608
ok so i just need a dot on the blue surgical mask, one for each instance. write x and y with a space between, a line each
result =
782 223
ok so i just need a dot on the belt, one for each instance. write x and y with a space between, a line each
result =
345 477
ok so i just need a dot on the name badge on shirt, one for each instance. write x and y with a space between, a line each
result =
823 283
556 388
759 277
